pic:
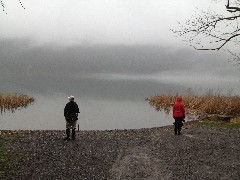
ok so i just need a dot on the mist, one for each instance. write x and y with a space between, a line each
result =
127 71
111 55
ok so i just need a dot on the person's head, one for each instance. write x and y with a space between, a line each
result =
179 99
71 98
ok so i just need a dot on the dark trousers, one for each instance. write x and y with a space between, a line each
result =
177 130
68 133
178 125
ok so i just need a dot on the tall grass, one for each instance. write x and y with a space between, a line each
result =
12 102
208 103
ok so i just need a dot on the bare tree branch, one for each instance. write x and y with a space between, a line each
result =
210 31
21 4
3 5
218 48
232 9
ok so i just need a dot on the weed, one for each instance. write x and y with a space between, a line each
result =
220 124
208 103
13 102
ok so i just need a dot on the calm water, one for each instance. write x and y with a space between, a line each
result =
47 113
110 83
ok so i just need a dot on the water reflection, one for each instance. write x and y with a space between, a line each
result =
47 113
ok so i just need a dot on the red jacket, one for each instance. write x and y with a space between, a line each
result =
179 108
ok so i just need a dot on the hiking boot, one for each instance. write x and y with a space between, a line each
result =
73 134
68 134
175 131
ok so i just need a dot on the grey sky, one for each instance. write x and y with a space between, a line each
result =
105 46
97 22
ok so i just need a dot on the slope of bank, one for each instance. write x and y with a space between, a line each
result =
201 152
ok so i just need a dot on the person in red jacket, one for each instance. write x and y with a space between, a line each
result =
178 115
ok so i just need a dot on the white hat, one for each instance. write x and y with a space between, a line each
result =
71 97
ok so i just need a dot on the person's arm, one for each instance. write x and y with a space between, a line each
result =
65 110
173 111
76 108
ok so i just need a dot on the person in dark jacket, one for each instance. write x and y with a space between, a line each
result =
71 111
178 115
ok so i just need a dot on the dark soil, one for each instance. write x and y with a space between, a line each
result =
201 152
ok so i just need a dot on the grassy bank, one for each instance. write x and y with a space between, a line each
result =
12 102
234 123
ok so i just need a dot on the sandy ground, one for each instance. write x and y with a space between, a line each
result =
201 152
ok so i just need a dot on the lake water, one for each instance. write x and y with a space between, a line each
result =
47 113
110 84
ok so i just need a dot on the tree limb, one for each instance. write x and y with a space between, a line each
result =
218 48
3 5
232 9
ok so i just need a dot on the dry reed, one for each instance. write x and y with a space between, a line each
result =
208 103
13 102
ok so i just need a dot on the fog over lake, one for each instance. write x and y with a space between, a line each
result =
110 83
111 55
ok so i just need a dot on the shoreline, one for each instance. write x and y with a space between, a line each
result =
186 124
201 152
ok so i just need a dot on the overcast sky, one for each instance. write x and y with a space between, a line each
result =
98 22
105 43
109 54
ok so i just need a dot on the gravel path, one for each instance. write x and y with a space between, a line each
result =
201 152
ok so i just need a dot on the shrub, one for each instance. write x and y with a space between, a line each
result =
208 103
13 102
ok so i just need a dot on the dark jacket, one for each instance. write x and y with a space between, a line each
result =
71 111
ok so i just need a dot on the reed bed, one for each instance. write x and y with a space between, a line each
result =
209 103
12 102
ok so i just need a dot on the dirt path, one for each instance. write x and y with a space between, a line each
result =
154 154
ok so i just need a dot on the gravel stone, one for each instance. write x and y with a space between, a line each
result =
201 152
